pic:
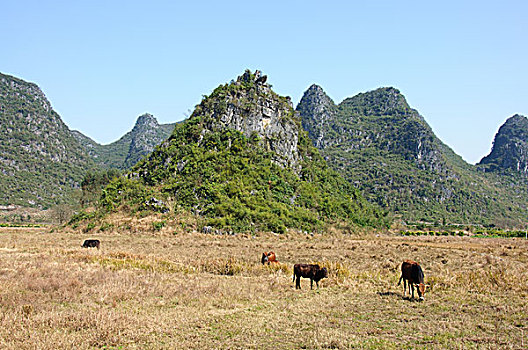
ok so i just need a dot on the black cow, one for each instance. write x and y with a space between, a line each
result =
311 271
91 243
413 275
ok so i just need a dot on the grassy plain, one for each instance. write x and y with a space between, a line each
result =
183 290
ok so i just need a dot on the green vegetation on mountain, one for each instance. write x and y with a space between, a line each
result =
242 162
131 147
388 151
41 163
93 184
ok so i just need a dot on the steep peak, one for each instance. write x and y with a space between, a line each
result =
510 147
33 137
315 94
314 89
243 146
316 109
382 101
517 120
146 120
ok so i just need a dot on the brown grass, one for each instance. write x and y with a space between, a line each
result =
178 289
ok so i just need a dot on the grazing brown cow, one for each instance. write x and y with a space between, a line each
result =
413 275
269 257
313 272
91 243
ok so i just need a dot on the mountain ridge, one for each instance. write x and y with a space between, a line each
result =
126 151
387 149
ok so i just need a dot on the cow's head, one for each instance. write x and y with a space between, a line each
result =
421 289
264 258
321 273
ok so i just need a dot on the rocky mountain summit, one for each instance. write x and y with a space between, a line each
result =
510 147
387 149
40 161
250 106
146 134
400 129
376 119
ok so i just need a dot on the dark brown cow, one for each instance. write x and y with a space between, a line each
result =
311 271
91 243
413 275
269 257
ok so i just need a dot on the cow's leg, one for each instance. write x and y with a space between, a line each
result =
311 283
412 289
298 283
404 287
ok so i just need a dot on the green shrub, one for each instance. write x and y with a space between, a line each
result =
158 225
105 226
81 216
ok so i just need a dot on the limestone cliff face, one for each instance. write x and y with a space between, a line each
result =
250 106
510 147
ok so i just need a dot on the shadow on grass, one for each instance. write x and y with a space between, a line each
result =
393 294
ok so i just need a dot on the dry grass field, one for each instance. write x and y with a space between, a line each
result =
184 290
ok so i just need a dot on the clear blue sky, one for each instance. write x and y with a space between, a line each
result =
462 64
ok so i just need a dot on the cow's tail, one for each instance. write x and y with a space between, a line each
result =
401 277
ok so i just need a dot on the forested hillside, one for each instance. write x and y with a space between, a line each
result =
41 163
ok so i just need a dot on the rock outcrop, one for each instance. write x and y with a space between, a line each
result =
251 107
